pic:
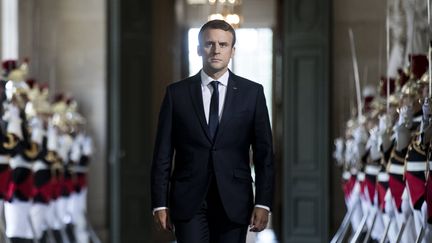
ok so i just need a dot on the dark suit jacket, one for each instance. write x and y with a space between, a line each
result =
183 128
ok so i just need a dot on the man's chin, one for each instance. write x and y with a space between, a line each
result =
217 68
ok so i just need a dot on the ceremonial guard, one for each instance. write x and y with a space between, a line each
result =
8 142
395 179
75 170
19 227
81 152
44 158
39 112
55 222
416 157
64 176
74 148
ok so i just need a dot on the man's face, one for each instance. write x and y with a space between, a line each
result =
216 50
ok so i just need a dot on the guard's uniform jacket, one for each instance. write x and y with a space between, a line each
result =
8 143
43 190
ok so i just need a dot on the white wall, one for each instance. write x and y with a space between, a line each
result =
9 24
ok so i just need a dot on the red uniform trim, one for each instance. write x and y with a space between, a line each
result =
381 190
416 187
5 177
56 187
68 185
371 185
429 197
45 191
25 188
348 186
81 181
396 188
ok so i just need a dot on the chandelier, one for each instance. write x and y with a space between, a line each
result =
228 10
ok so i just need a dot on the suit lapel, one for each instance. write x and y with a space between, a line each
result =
197 101
229 105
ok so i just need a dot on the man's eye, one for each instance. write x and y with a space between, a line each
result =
223 45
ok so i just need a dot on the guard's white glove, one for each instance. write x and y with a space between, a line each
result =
425 127
12 112
384 131
384 124
52 137
65 142
12 117
37 130
405 117
402 128
76 150
87 146
360 136
339 151
349 152
373 144
426 108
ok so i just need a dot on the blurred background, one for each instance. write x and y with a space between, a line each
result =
116 57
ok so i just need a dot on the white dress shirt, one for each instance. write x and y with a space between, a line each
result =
207 91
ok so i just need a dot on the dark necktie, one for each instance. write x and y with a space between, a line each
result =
214 110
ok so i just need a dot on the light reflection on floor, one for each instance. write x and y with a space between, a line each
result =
266 236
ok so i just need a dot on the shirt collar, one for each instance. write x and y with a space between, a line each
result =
205 79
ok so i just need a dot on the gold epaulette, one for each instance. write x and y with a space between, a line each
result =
418 148
11 141
50 157
32 152
57 166
396 157
72 172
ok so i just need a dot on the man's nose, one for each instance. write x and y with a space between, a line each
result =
216 48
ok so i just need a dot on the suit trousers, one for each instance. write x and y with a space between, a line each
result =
211 223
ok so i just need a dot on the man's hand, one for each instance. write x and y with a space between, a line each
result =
162 220
259 219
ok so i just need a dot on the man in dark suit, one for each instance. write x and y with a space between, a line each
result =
209 122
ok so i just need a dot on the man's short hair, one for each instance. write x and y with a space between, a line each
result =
217 24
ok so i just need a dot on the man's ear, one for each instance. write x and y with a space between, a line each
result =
199 50
233 52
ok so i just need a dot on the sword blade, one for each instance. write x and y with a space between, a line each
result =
420 235
386 230
402 229
340 233
369 231
359 230
356 73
